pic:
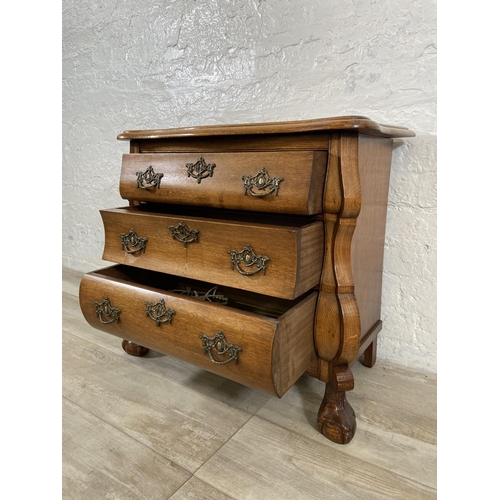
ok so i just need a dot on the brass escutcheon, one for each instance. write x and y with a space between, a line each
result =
261 184
200 170
219 344
138 243
105 308
159 312
148 179
250 259
183 234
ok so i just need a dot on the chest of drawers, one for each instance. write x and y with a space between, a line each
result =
253 251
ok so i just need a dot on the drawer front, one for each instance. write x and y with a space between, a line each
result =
278 182
266 353
279 261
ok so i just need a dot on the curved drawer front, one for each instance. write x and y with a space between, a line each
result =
279 182
267 353
280 261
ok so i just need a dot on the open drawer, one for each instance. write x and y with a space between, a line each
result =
265 343
276 256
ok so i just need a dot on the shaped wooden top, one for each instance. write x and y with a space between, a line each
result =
359 123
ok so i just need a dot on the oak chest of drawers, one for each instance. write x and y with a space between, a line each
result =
253 251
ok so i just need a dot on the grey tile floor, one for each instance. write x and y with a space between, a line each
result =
158 428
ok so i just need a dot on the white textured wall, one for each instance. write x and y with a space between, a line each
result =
160 64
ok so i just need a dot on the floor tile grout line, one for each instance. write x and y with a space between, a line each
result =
338 447
183 484
138 365
113 351
221 402
121 431
114 426
250 416
204 482
223 444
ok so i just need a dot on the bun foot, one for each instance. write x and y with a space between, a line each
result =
134 349
336 418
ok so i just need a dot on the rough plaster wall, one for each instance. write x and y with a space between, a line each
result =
160 64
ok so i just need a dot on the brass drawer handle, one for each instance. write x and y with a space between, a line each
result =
262 182
159 312
105 308
138 243
219 344
183 234
148 179
200 170
249 258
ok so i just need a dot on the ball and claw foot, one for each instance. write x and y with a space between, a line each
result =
336 418
134 349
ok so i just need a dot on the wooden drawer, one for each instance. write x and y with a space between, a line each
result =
281 260
279 182
270 341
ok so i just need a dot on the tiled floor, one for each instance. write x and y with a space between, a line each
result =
157 428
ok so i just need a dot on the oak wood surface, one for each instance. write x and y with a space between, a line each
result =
360 124
271 358
134 349
336 418
367 248
336 170
158 366
294 336
347 328
294 252
300 191
368 345
309 141
332 196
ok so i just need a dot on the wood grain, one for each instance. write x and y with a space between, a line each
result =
294 335
300 191
269 360
309 141
332 197
295 252
367 247
327 332
360 124
335 171
155 364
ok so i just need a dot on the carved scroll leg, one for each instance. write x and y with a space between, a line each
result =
134 349
336 418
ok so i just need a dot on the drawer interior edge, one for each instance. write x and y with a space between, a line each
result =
256 304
